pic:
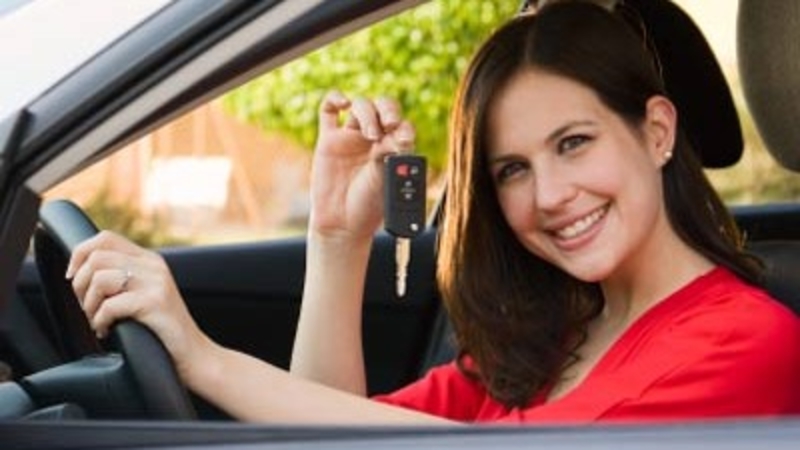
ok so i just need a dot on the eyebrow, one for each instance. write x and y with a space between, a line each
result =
562 130
557 133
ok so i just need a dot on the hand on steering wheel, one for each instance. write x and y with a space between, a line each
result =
150 367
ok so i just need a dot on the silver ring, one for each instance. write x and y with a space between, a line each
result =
126 278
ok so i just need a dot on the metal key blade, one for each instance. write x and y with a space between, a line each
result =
402 257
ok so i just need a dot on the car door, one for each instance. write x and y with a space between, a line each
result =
245 294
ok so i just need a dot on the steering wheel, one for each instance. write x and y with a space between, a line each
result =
148 368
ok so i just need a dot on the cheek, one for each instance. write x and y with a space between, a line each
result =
517 209
619 173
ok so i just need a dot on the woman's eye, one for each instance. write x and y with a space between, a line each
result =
509 170
570 143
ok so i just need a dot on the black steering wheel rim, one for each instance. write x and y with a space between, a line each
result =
63 225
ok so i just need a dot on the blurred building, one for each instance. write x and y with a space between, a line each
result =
206 175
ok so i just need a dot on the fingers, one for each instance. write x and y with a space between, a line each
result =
382 122
334 103
104 284
97 262
389 113
404 137
376 119
104 240
401 140
111 310
143 282
105 268
364 116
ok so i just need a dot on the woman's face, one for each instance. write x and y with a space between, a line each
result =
579 187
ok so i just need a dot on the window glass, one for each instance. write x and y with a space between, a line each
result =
237 168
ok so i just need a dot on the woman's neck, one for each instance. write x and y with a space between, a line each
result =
662 267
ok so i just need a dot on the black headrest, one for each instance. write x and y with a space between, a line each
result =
769 65
695 82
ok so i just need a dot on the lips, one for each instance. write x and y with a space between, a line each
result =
582 225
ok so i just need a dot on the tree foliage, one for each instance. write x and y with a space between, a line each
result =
416 57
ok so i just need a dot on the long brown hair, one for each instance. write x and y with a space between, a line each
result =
519 318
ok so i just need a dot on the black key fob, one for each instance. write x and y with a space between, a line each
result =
404 195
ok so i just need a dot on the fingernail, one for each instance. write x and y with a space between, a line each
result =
373 133
392 118
69 273
341 101
405 134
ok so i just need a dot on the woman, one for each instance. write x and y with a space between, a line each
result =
590 270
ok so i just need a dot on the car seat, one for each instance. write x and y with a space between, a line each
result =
769 67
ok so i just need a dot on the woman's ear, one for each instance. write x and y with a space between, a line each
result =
660 128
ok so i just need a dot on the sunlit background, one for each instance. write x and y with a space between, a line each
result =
237 168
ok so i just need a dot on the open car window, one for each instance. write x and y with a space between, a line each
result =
237 168
207 177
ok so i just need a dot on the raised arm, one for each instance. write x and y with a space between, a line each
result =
346 210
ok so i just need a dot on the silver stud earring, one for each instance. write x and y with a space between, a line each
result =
667 155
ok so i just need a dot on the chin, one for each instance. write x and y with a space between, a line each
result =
588 274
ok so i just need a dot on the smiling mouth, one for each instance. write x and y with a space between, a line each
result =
581 225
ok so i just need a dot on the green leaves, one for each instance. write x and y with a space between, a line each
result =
416 57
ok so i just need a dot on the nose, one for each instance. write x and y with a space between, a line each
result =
553 188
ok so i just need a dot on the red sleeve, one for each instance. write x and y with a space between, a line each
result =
444 391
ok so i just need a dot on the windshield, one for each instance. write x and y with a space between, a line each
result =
76 30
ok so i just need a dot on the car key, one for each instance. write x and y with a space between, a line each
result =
404 208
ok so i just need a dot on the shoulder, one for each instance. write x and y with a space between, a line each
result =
728 349
728 310
719 325
737 332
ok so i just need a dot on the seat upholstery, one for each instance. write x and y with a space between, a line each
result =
769 67
781 259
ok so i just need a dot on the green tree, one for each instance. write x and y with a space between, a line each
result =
416 57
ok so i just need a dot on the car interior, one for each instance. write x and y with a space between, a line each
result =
769 73
55 357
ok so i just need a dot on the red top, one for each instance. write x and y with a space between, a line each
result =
715 348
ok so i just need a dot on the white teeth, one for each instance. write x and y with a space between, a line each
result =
580 226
